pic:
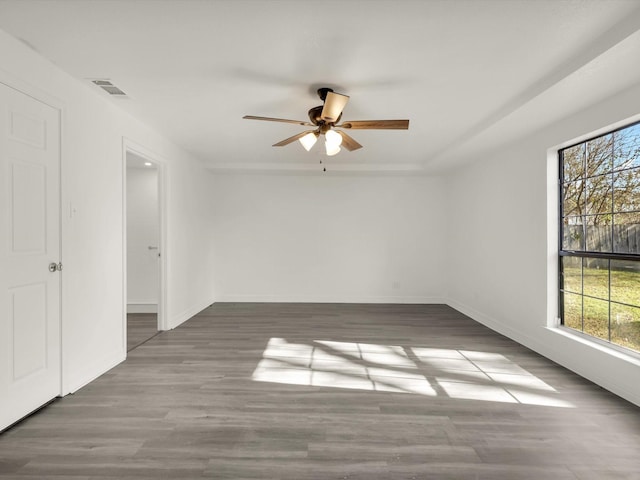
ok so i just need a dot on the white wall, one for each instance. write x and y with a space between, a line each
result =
502 261
92 223
328 238
143 274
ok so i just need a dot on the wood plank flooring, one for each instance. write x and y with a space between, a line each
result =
321 391
140 328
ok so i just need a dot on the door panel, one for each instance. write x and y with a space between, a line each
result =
29 216
28 207
28 322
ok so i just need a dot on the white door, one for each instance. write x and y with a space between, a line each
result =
29 243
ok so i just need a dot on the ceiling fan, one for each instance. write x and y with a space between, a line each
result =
325 118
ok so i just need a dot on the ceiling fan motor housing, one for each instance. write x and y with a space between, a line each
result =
315 115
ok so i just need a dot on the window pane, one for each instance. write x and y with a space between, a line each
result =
598 233
626 233
572 274
627 147
626 193
596 318
600 155
573 159
596 277
573 311
625 326
599 194
573 199
573 234
625 282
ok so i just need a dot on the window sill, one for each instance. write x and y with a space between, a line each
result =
618 352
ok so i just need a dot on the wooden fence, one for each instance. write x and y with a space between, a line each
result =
603 238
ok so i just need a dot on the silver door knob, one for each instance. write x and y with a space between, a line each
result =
55 267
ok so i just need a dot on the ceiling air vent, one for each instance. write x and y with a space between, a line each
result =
108 87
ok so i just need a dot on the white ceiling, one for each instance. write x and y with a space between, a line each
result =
457 69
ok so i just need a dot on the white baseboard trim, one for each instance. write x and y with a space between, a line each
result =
92 371
563 358
135 307
176 320
494 325
327 299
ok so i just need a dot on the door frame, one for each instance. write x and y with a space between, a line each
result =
130 146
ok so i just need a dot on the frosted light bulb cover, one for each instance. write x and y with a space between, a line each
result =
309 140
331 149
333 138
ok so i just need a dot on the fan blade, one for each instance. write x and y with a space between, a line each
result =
376 125
289 140
348 142
283 120
333 106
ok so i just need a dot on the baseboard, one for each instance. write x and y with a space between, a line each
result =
92 371
72 383
176 320
135 307
563 358
495 325
328 299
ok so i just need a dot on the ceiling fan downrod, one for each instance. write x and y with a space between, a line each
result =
322 92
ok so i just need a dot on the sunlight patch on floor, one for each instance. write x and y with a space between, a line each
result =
460 374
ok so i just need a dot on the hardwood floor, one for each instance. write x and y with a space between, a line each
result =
140 328
310 391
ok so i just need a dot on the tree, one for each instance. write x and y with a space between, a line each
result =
601 186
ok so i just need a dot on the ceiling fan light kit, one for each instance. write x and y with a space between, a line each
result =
331 151
332 142
309 140
326 117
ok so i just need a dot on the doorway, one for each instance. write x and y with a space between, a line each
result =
144 259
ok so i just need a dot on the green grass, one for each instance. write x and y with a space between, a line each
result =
591 315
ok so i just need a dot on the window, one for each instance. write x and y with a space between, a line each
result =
599 260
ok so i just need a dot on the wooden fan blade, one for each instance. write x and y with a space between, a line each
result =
333 106
348 142
289 140
283 120
376 125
